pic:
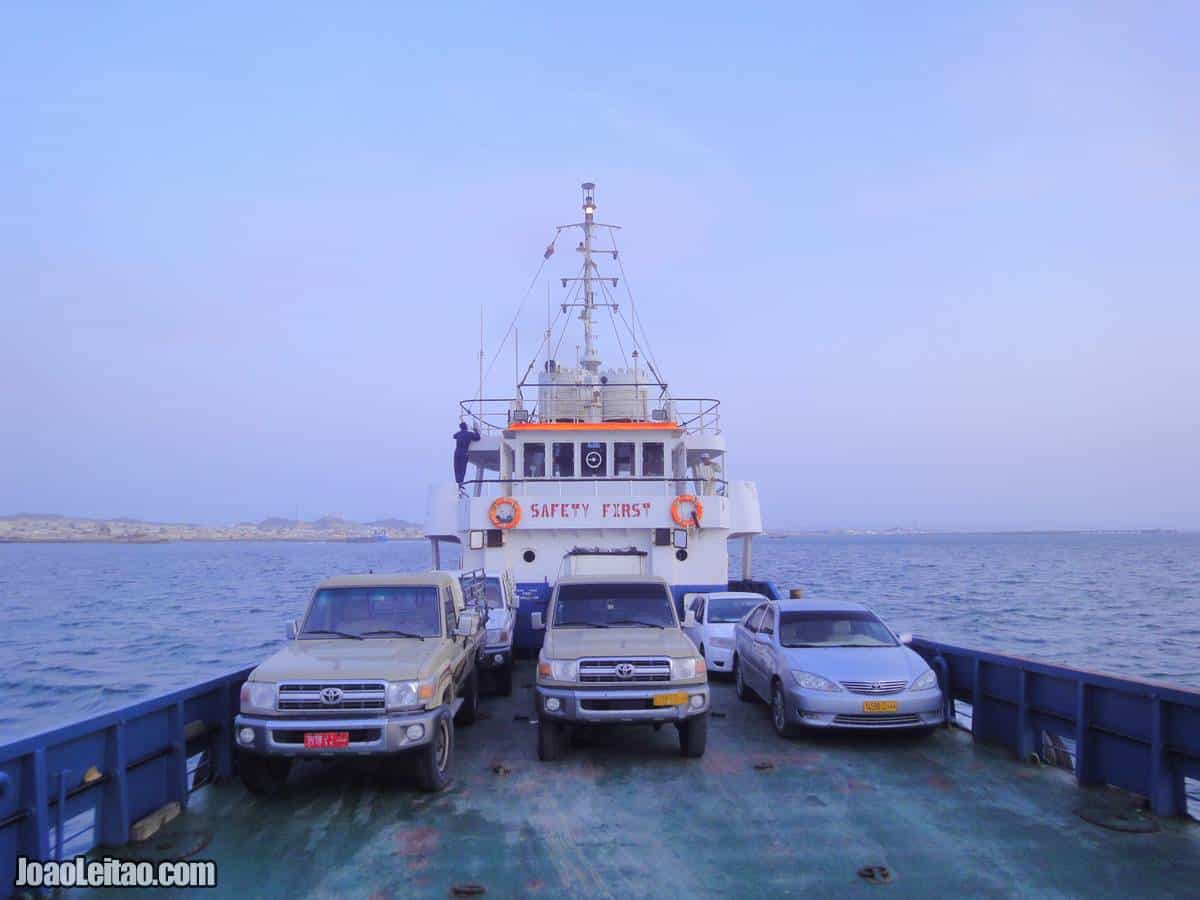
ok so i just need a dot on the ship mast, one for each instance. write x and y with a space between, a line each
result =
591 360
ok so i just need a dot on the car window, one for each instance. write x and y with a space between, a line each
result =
767 625
753 620
728 610
851 628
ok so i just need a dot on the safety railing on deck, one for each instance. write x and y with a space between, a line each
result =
593 487
65 791
1140 736
695 415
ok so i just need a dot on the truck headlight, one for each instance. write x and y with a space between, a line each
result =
558 669
497 636
926 681
687 669
811 682
408 694
258 696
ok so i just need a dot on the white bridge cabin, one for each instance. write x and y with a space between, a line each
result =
604 473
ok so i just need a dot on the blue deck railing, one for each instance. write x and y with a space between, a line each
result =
1140 736
66 791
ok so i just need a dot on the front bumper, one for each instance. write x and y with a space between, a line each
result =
495 657
609 704
369 736
820 709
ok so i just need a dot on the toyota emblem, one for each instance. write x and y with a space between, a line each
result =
625 670
331 695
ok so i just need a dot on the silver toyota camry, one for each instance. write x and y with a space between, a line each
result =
832 665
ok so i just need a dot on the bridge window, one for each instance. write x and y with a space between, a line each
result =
594 459
653 460
623 456
534 460
564 460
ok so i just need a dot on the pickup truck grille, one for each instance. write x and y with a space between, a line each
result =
611 671
355 695
875 687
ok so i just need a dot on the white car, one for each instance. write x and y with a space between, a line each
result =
709 620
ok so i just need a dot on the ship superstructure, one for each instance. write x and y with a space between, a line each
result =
587 469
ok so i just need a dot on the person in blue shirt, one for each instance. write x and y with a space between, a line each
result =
463 438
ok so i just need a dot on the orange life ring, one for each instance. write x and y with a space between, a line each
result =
501 505
677 515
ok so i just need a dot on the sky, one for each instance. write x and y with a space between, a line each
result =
938 261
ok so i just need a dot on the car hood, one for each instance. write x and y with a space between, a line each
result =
720 629
399 659
857 663
575 643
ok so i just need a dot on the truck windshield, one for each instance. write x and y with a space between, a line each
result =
613 606
377 612
724 610
833 629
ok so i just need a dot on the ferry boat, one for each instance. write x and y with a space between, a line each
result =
588 469
1055 781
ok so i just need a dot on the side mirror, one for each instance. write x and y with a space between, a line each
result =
762 638
293 628
468 623
689 618
535 620
905 637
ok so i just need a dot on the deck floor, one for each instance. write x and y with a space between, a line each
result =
626 816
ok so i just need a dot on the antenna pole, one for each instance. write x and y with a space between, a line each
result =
591 361
481 363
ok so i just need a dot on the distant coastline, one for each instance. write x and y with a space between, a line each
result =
48 528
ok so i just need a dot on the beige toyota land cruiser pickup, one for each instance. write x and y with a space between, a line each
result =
614 653
380 664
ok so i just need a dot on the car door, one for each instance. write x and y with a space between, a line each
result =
747 649
696 632
764 648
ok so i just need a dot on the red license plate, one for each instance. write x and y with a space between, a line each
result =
324 740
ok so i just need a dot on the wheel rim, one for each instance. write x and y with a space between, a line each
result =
777 708
442 750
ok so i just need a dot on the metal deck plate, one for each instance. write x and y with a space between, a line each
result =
625 816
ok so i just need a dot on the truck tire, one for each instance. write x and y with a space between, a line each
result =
739 683
693 736
504 681
263 775
552 740
469 711
434 758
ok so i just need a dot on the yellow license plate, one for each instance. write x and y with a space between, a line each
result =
879 706
676 699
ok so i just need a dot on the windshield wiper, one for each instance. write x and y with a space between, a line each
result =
395 631
580 624
636 622
345 634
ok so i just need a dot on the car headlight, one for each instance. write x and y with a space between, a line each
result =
408 694
687 669
721 643
258 696
926 681
558 669
811 682
497 636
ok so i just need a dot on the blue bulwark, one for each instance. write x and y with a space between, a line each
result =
65 791
1140 736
